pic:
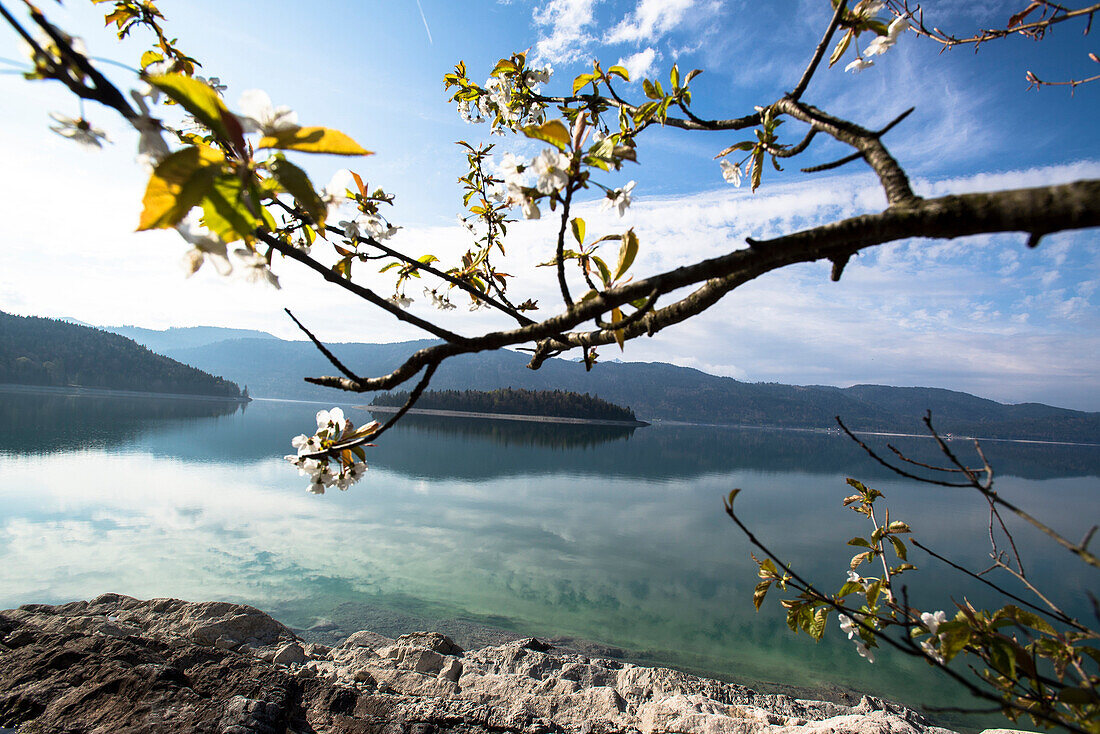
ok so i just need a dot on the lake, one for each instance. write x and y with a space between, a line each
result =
613 536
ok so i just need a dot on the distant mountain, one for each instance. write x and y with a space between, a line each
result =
184 337
275 368
49 352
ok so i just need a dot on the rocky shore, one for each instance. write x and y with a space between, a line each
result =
118 664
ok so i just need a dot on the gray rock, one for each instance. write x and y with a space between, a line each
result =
289 653
174 676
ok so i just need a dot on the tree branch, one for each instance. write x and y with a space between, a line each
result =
1049 209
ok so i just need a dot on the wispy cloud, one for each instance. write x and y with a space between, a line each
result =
564 24
639 65
650 19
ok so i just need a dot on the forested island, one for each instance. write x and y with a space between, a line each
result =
546 403
50 353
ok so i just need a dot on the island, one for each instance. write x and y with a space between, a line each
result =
551 406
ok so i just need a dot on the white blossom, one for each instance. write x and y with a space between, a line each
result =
848 625
154 69
256 268
259 115
731 172
331 420
531 209
377 228
401 300
865 652
619 198
334 194
859 64
931 649
214 83
551 168
933 621
440 301
351 229
151 146
205 246
79 130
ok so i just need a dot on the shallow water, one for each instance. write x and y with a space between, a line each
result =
610 535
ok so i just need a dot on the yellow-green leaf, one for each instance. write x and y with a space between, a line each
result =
178 183
314 140
225 211
298 185
620 335
628 250
578 229
195 97
619 71
553 132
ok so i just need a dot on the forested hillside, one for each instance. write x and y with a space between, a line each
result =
37 351
557 403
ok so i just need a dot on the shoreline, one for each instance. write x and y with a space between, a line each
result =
108 392
176 666
505 416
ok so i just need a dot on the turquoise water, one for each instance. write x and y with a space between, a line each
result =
610 535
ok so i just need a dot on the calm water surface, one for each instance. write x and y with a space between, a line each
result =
611 535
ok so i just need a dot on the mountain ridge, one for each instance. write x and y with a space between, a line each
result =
274 367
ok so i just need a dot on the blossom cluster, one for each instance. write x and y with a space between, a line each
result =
854 632
931 646
340 472
880 45
509 100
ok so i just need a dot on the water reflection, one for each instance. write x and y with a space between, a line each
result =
37 420
618 539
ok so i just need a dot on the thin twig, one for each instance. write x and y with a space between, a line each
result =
323 349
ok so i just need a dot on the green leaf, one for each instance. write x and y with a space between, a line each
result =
178 183
628 250
619 71
605 273
553 132
197 98
650 90
1002 656
732 496
841 47
1026 618
898 527
578 229
899 547
225 211
743 145
816 629
757 166
850 587
861 542
760 592
313 140
674 77
873 591
856 485
504 66
150 57
298 185
583 80
954 637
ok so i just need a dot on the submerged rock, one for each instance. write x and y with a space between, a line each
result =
117 664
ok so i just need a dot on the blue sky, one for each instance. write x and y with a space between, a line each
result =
984 314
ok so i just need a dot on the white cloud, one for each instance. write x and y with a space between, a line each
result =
639 65
567 38
650 19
